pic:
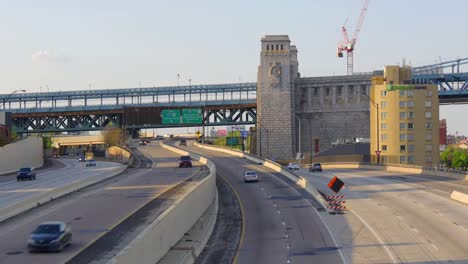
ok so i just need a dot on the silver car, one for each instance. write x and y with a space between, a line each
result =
250 176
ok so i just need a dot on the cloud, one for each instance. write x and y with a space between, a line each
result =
47 56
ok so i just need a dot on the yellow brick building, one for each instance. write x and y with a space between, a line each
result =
407 116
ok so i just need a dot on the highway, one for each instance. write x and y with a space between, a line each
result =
12 191
94 211
279 225
398 218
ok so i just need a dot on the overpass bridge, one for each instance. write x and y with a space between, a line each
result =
138 108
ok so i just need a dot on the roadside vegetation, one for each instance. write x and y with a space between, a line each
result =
455 158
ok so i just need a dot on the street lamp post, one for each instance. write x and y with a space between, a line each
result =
377 152
300 153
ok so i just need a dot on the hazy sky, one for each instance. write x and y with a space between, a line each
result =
70 45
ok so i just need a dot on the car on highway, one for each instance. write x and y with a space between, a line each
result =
56 156
81 158
26 173
185 161
90 163
250 176
183 142
316 167
50 236
142 143
159 137
293 166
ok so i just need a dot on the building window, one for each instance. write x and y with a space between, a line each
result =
402 147
383 115
428 147
339 90
402 93
351 91
316 90
384 93
428 136
410 137
276 46
428 92
384 137
383 104
383 126
384 147
428 158
402 159
402 104
409 93
364 89
428 125
268 47
410 159
402 115
428 114
410 148
410 104
411 115
402 137
327 91
428 103
281 46
410 126
402 126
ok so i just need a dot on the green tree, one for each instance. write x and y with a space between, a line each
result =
447 156
113 136
47 142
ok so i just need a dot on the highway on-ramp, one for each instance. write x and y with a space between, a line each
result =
279 225
95 211
398 218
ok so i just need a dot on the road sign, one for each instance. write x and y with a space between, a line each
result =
170 117
192 116
377 152
335 184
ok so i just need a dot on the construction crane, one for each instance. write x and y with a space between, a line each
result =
349 45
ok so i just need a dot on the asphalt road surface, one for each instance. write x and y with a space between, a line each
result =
12 191
94 211
279 225
398 218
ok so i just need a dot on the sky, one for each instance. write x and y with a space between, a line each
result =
77 45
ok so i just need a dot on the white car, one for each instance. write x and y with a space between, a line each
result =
250 176
293 166
91 163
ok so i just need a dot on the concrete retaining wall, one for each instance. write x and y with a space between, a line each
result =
396 168
459 196
27 152
120 154
45 197
158 238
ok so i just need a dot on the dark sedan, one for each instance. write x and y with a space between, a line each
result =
26 173
50 236
185 161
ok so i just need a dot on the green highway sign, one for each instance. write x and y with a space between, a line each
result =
192 116
170 117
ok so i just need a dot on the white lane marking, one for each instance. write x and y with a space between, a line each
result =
435 247
376 236
415 230
332 234
374 233
278 211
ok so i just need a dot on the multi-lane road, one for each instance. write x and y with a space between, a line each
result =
398 218
95 211
279 225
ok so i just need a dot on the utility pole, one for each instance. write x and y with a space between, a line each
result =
300 153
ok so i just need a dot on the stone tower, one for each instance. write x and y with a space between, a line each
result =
277 73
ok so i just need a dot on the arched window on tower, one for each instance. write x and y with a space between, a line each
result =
277 47
268 47
281 46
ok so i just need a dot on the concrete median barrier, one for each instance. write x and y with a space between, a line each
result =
15 209
166 231
459 196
